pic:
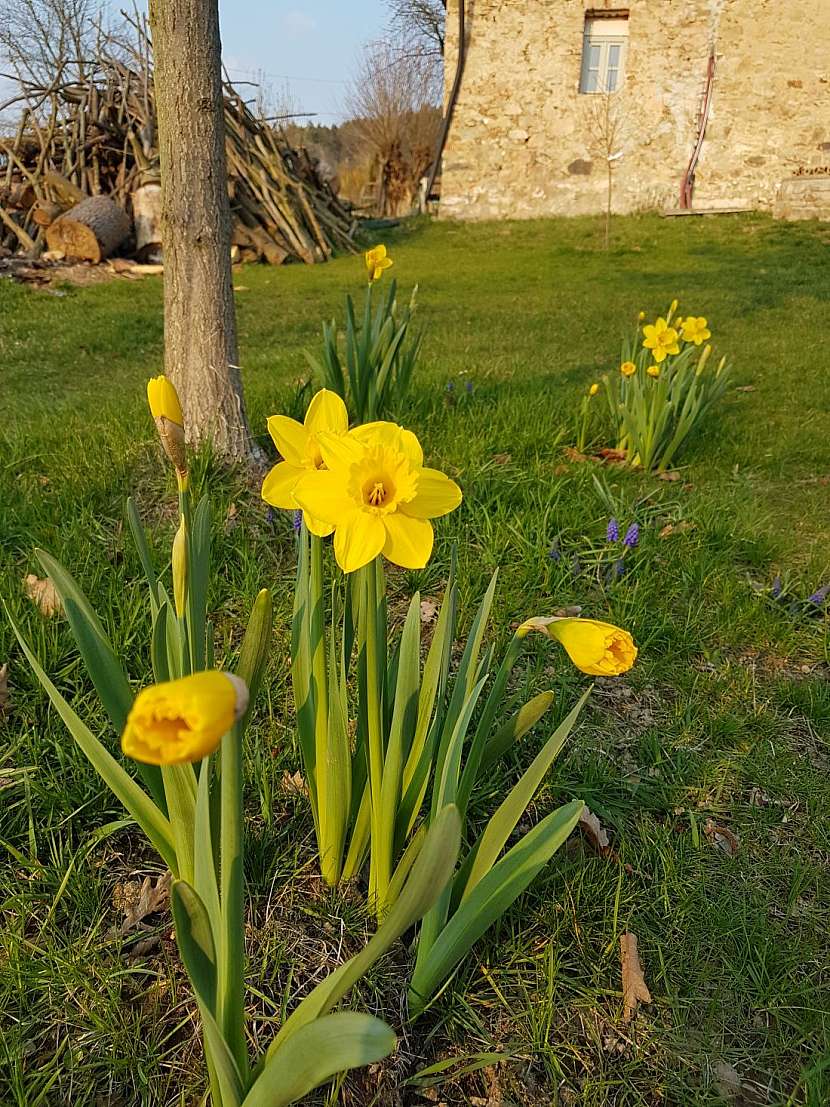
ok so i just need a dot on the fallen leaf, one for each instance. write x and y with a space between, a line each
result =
635 989
572 454
294 783
4 689
721 837
612 457
137 901
231 518
727 1081
240 288
594 831
669 476
429 609
746 388
44 594
676 528
502 459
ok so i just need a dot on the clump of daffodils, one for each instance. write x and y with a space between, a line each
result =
665 387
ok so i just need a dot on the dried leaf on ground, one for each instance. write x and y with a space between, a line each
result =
502 459
721 837
634 987
610 456
43 593
4 689
676 528
137 901
594 831
669 476
294 783
429 609
746 388
727 1081
572 454
231 519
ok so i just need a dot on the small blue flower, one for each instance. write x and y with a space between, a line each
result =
554 553
576 566
270 516
612 534
819 598
632 536
775 588
450 386
469 386
297 521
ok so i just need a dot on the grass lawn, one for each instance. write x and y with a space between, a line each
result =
725 717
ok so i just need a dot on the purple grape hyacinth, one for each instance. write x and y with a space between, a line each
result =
819 598
297 521
632 536
612 534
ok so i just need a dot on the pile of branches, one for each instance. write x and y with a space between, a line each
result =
96 137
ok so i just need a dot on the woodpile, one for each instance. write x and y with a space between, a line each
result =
80 176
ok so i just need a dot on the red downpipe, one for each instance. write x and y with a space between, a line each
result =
453 97
687 187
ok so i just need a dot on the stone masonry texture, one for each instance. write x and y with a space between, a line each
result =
525 142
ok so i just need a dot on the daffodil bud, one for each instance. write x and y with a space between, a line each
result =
179 560
183 720
704 357
596 648
592 391
167 413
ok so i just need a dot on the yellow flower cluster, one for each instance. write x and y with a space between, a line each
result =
368 486
663 337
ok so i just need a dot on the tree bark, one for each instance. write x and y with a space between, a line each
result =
200 352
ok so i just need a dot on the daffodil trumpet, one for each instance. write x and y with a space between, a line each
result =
663 390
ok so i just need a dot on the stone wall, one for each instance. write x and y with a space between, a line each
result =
525 142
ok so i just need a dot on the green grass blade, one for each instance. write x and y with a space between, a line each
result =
143 550
194 936
316 1052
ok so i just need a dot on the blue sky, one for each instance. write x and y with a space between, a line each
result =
317 39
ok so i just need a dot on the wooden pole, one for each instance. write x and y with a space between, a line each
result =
200 349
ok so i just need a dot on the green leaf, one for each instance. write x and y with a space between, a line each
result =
253 654
428 878
316 1052
507 816
144 555
135 799
199 579
515 728
194 935
489 900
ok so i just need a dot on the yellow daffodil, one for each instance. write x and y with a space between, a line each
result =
641 316
299 445
592 391
695 330
596 648
661 339
376 261
167 413
179 566
183 720
377 495
653 370
628 368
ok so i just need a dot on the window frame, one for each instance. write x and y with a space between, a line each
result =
592 37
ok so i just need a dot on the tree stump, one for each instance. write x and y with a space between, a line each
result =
147 221
89 231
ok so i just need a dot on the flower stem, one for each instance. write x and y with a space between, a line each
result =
381 844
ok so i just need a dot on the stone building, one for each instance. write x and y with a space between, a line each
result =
713 102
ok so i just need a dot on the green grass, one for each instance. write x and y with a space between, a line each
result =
726 715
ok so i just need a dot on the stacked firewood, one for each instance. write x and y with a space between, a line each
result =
79 177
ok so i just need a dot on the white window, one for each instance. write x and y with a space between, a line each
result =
604 47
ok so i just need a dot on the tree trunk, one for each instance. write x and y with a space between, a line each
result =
199 323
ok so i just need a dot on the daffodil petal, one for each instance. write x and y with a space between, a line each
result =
326 412
358 539
320 494
339 450
390 434
317 526
289 437
408 541
278 486
436 495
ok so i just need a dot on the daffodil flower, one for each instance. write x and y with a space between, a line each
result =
596 648
628 368
661 339
183 720
592 391
376 261
377 495
653 370
300 447
695 329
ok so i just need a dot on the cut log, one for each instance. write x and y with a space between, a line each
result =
147 221
90 231
44 212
